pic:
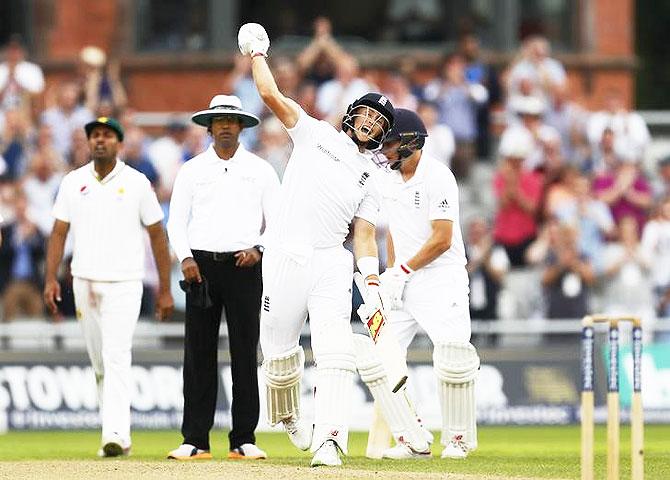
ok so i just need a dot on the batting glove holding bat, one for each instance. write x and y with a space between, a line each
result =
371 311
393 282
253 40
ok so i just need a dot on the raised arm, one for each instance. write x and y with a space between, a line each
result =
253 41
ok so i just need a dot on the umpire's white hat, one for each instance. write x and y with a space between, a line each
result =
225 105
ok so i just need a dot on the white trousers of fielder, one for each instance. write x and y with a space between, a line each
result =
108 313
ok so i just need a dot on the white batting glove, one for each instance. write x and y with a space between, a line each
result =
371 312
393 282
253 39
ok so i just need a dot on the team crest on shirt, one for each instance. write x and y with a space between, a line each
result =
363 179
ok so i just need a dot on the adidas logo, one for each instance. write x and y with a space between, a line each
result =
444 205
266 303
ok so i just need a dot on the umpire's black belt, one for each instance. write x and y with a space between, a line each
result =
215 256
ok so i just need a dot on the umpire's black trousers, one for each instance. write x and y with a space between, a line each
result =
238 290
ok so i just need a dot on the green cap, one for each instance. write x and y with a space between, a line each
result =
105 122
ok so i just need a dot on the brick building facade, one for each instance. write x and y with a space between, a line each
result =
604 60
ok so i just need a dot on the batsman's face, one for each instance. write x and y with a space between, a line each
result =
390 150
368 123
103 143
226 130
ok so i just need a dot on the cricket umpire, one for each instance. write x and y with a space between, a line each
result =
220 202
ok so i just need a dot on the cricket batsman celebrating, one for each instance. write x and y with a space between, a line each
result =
426 281
327 185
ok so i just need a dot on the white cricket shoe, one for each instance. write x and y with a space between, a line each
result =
402 451
186 451
456 448
327 455
247 451
299 434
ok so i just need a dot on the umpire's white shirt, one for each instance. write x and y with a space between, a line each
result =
326 184
219 205
106 218
431 194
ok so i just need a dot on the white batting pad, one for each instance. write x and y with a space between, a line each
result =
282 380
456 365
395 408
334 384
379 437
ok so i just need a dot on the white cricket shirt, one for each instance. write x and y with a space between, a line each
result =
431 194
326 184
106 218
219 205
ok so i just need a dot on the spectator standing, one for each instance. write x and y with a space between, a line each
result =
626 191
333 96
40 187
167 155
518 192
567 278
440 143
603 156
569 120
627 126
134 156
21 257
20 80
458 102
627 286
105 204
15 143
221 199
477 71
102 90
66 116
535 73
487 265
275 146
656 246
318 60
400 93
662 180
591 217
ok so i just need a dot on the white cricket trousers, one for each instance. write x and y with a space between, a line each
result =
437 300
108 313
321 286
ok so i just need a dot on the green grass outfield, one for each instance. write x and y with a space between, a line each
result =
540 452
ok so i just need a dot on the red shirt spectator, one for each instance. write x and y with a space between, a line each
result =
518 193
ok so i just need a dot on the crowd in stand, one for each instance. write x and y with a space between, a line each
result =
568 223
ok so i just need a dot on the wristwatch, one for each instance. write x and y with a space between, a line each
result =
260 248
